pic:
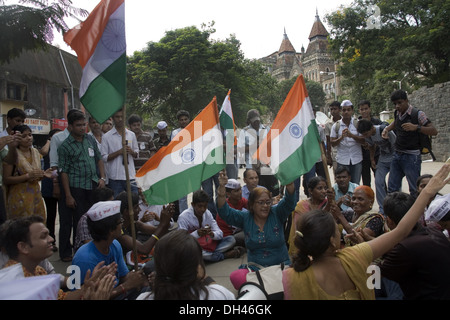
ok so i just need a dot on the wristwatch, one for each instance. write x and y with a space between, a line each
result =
104 179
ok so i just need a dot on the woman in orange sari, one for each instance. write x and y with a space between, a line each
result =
23 195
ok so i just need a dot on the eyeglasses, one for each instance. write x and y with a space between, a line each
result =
267 203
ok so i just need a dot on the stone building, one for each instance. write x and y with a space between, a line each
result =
316 63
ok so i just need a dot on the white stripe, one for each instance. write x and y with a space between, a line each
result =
285 144
102 57
173 163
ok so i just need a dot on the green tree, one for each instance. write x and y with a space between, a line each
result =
315 91
30 26
405 43
185 70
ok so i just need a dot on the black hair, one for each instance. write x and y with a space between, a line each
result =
134 118
247 171
313 182
102 194
18 230
336 104
341 169
53 131
364 126
396 205
200 196
399 95
183 113
123 198
177 257
16 112
75 116
22 128
424 176
100 229
363 102
316 228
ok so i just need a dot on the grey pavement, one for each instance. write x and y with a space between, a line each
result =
220 271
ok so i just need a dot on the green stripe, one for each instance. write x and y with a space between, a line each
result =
106 94
303 159
177 186
225 121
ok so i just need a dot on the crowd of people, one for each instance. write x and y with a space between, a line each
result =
327 241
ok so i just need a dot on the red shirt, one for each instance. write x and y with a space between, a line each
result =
227 229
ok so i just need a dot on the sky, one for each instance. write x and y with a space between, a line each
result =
258 24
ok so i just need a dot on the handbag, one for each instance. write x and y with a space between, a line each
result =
269 279
207 243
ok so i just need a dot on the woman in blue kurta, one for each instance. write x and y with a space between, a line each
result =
263 226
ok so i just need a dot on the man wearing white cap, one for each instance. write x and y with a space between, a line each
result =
344 135
420 263
163 138
439 211
105 226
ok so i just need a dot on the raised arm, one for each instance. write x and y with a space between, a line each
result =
387 241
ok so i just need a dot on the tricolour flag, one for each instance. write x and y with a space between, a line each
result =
227 119
291 148
100 45
194 155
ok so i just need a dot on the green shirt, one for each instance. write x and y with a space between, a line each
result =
79 161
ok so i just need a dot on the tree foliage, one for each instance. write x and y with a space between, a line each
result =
185 70
30 26
407 43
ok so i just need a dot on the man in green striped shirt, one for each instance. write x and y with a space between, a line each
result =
79 159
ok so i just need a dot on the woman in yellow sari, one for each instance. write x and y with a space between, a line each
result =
23 195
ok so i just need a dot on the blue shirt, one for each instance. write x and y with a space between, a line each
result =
267 247
351 188
88 256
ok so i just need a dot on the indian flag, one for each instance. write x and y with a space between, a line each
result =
228 128
291 147
194 155
100 45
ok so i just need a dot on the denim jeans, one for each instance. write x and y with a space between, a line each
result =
404 165
121 185
355 171
380 182
224 245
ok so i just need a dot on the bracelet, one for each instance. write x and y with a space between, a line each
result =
155 236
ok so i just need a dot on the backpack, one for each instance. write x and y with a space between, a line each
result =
424 139
338 125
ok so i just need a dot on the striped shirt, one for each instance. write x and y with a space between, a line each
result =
78 160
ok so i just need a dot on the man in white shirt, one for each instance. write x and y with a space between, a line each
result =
112 153
344 135
199 222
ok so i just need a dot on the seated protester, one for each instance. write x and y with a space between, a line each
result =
200 223
343 188
251 180
83 236
361 216
422 182
105 226
144 245
420 263
439 212
236 201
27 241
180 272
150 214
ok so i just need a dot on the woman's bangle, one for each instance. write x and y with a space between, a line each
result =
155 236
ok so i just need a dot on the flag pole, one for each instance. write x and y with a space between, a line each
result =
127 174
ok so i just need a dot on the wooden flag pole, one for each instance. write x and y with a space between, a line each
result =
127 174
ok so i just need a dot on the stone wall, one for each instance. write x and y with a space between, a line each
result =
435 102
